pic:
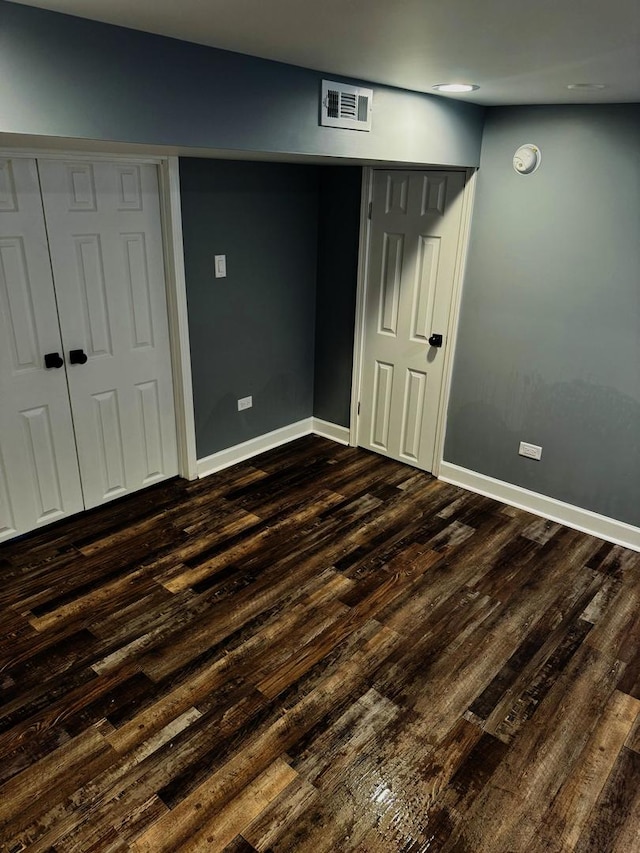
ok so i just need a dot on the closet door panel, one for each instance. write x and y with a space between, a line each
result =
39 476
103 221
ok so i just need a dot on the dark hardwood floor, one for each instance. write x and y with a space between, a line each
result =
318 650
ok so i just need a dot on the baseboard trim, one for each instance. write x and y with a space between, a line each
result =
333 431
242 452
584 520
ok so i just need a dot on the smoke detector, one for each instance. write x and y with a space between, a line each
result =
527 159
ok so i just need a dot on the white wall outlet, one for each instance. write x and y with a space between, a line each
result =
245 403
531 451
220 266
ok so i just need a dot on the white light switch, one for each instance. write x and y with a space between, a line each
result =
221 266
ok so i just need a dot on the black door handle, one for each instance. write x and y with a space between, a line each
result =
435 340
77 356
53 359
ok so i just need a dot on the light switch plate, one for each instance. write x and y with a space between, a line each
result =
220 266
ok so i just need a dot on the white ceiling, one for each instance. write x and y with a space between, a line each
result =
518 51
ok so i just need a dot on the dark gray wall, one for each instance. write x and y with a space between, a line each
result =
338 235
549 343
251 333
68 77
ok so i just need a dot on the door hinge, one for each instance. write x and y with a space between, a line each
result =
370 209
358 408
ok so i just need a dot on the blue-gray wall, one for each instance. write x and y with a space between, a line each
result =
69 77
548 349
251 333
338 236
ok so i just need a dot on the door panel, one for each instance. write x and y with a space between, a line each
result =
415 226
150 418
424 295
392 253
39 477
103 221
91 293
412 415
111 463
38 438
381 405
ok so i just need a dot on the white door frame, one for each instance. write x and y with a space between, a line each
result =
456 299
178 318
169 189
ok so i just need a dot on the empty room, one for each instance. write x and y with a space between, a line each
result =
319 427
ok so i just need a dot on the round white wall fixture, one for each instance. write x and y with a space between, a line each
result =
527 159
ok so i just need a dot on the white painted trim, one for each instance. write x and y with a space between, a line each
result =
80 155
178 318
335 432
584 520
358 337
454 317
248 449
276 438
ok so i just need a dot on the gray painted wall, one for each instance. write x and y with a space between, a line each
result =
251 333
549 342
338 235
69 77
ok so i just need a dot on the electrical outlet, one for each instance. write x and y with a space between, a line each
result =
245 403
531 451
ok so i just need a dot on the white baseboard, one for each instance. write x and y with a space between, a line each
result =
241 452
333 431
584 520
248 449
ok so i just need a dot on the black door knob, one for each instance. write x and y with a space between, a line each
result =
77 356
435 340
53 359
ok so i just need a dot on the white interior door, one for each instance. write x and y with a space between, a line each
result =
414 239
39 478
105 238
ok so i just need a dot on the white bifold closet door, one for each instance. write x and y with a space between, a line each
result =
97 227
39 477
105 235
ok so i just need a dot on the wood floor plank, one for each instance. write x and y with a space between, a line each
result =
27 794
318 650
212 676
220 830
62 709
213 794
447 817
540 760
283 812
110 796
570 811
614 823
435 769
248 545
633 740
531 671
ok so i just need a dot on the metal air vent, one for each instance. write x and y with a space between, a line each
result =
345 106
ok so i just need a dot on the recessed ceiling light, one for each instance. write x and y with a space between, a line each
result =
455 88
586 87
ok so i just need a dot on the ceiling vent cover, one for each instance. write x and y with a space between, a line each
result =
345 106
